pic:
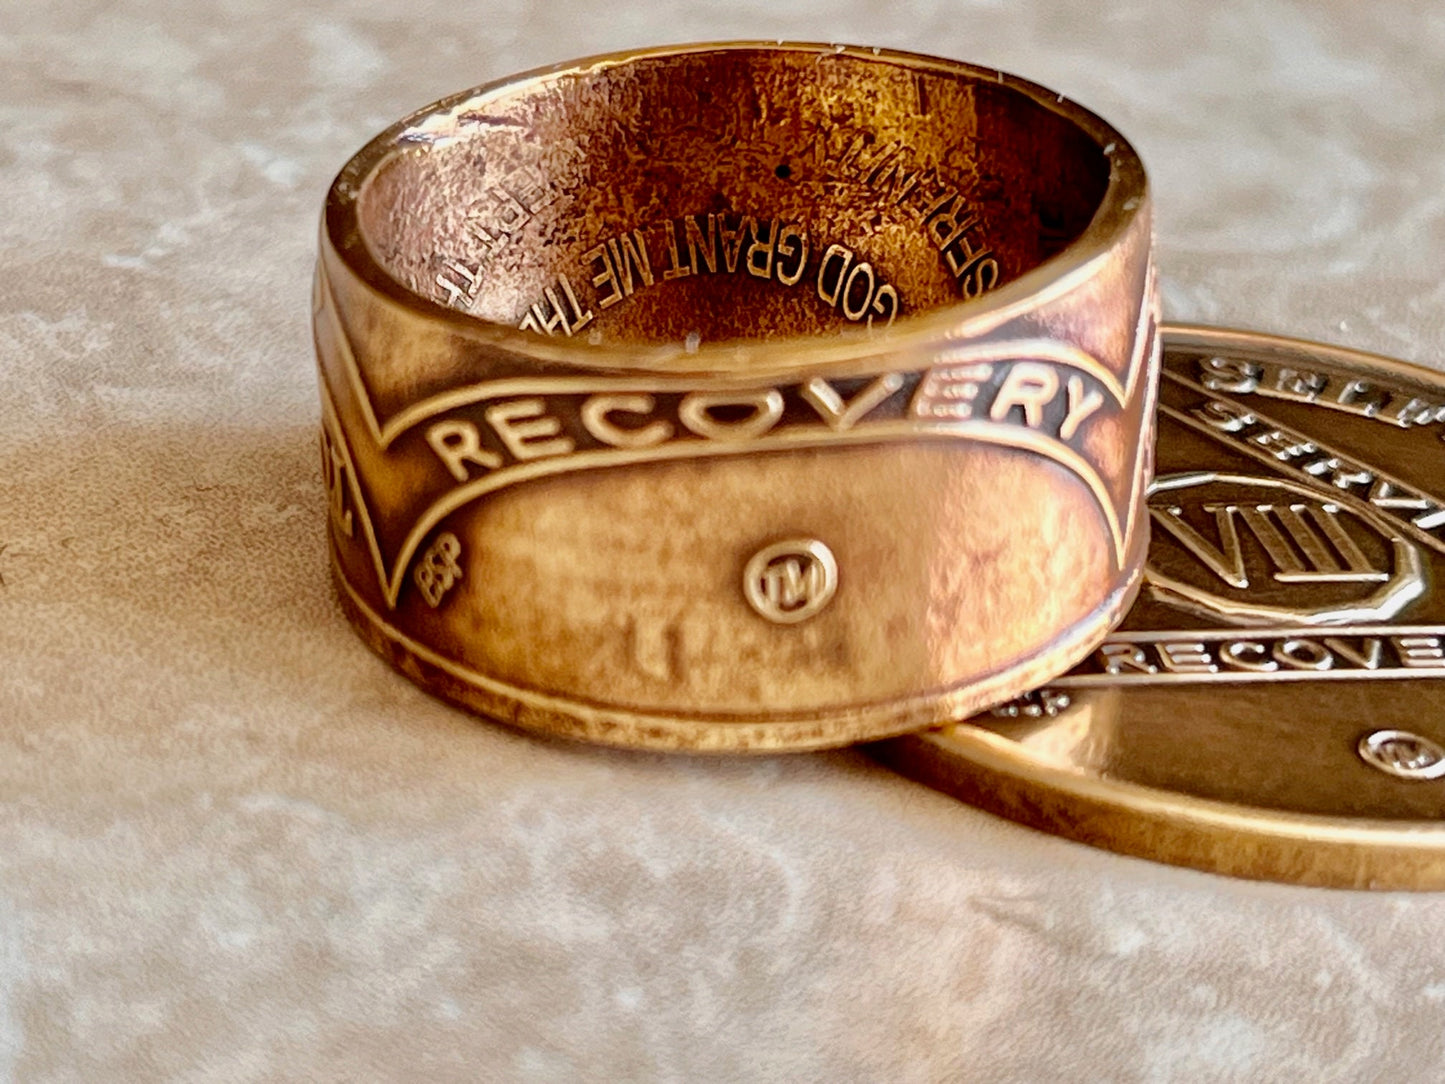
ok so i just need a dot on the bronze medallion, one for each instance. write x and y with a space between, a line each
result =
1273 706
738 397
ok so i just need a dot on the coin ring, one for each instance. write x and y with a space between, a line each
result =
588 334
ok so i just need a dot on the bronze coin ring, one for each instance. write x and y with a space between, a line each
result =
738 397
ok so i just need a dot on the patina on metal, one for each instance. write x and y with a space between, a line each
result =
738 397
1274 704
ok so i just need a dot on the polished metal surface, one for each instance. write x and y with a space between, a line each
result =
738 397
1274 704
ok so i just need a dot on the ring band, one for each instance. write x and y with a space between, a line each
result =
738 397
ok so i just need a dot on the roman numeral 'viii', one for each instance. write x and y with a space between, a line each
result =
1306 543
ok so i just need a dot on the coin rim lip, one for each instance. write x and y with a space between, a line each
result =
989 754
1126 197
1000 756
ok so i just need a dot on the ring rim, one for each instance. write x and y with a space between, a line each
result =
1125 199
563 716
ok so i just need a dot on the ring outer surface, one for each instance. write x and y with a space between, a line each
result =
602 597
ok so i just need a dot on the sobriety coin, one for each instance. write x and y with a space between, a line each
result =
1273 706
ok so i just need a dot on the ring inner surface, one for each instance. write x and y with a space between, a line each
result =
732 194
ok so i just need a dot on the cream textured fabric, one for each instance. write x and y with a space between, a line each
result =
234 846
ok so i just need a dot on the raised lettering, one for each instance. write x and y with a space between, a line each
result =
841 415
676 267
759 261
861 272
1293 384
527 430
792 244
732 242
458 443
1283 446
1342 475
1313 550
1229 375
885 303
1420 652
1224 416
1303 655
1187 657
1247 655
1366 656
629 257
1081 405
979 278
843 258
1030 387
697 244
765 408
460 295
606 277
1227 560
596 420
569 318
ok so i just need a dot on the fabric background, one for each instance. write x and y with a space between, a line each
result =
234 846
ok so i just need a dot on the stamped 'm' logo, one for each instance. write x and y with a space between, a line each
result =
790 581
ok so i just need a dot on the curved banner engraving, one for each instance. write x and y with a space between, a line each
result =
437 455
